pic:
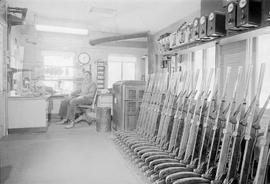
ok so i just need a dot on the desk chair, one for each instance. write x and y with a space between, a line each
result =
87 113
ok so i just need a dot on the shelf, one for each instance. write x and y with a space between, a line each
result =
233 37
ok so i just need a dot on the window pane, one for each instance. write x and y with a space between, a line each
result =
114 72
58 67
128 71
66 87
52 84
54 58
61 86
264 57
54 72
210 64
120 68
198 65
185 62
58 61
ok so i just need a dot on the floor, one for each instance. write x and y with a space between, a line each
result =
60 156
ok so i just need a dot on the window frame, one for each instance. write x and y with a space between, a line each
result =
121 60
58 78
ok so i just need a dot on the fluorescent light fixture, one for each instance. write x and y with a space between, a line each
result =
59 29
106 12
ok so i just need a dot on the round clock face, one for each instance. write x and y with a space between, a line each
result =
242 3
230 7
211 16
195 22
202 21
84 58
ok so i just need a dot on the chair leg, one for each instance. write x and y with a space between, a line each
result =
80 118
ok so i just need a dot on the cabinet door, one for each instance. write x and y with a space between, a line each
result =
3 80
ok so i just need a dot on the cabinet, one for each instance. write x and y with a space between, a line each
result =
127 98
27 113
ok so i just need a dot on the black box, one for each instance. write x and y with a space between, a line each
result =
195 30
216 24
265 11
249 13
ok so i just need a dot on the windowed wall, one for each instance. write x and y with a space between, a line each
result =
203 60
233 52
121 68
59 70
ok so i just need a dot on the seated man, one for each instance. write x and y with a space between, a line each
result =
84 96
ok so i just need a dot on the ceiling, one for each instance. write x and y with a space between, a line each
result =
112 16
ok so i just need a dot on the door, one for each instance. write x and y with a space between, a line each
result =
3 79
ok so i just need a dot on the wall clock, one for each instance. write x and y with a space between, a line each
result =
84 58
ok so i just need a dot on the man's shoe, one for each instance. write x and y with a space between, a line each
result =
61 122
71 125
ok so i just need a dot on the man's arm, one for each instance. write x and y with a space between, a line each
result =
75 93
92 91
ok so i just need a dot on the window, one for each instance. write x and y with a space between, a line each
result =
197 64
204 60
120 68
210 63
184 62
58 70
263 56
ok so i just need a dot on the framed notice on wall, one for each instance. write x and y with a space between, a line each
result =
100 74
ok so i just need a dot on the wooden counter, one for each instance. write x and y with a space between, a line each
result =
27 114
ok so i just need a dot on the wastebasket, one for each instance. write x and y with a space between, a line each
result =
103 123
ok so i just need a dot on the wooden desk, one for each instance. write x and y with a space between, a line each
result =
54 103
27 114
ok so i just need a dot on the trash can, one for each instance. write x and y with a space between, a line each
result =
103 123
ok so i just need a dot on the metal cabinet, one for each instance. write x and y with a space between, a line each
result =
127 98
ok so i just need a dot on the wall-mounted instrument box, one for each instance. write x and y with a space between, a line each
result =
195 30
265 11
203 28
231 16
216 24
127 99
249 13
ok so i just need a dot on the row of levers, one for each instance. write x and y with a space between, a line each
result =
193 129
